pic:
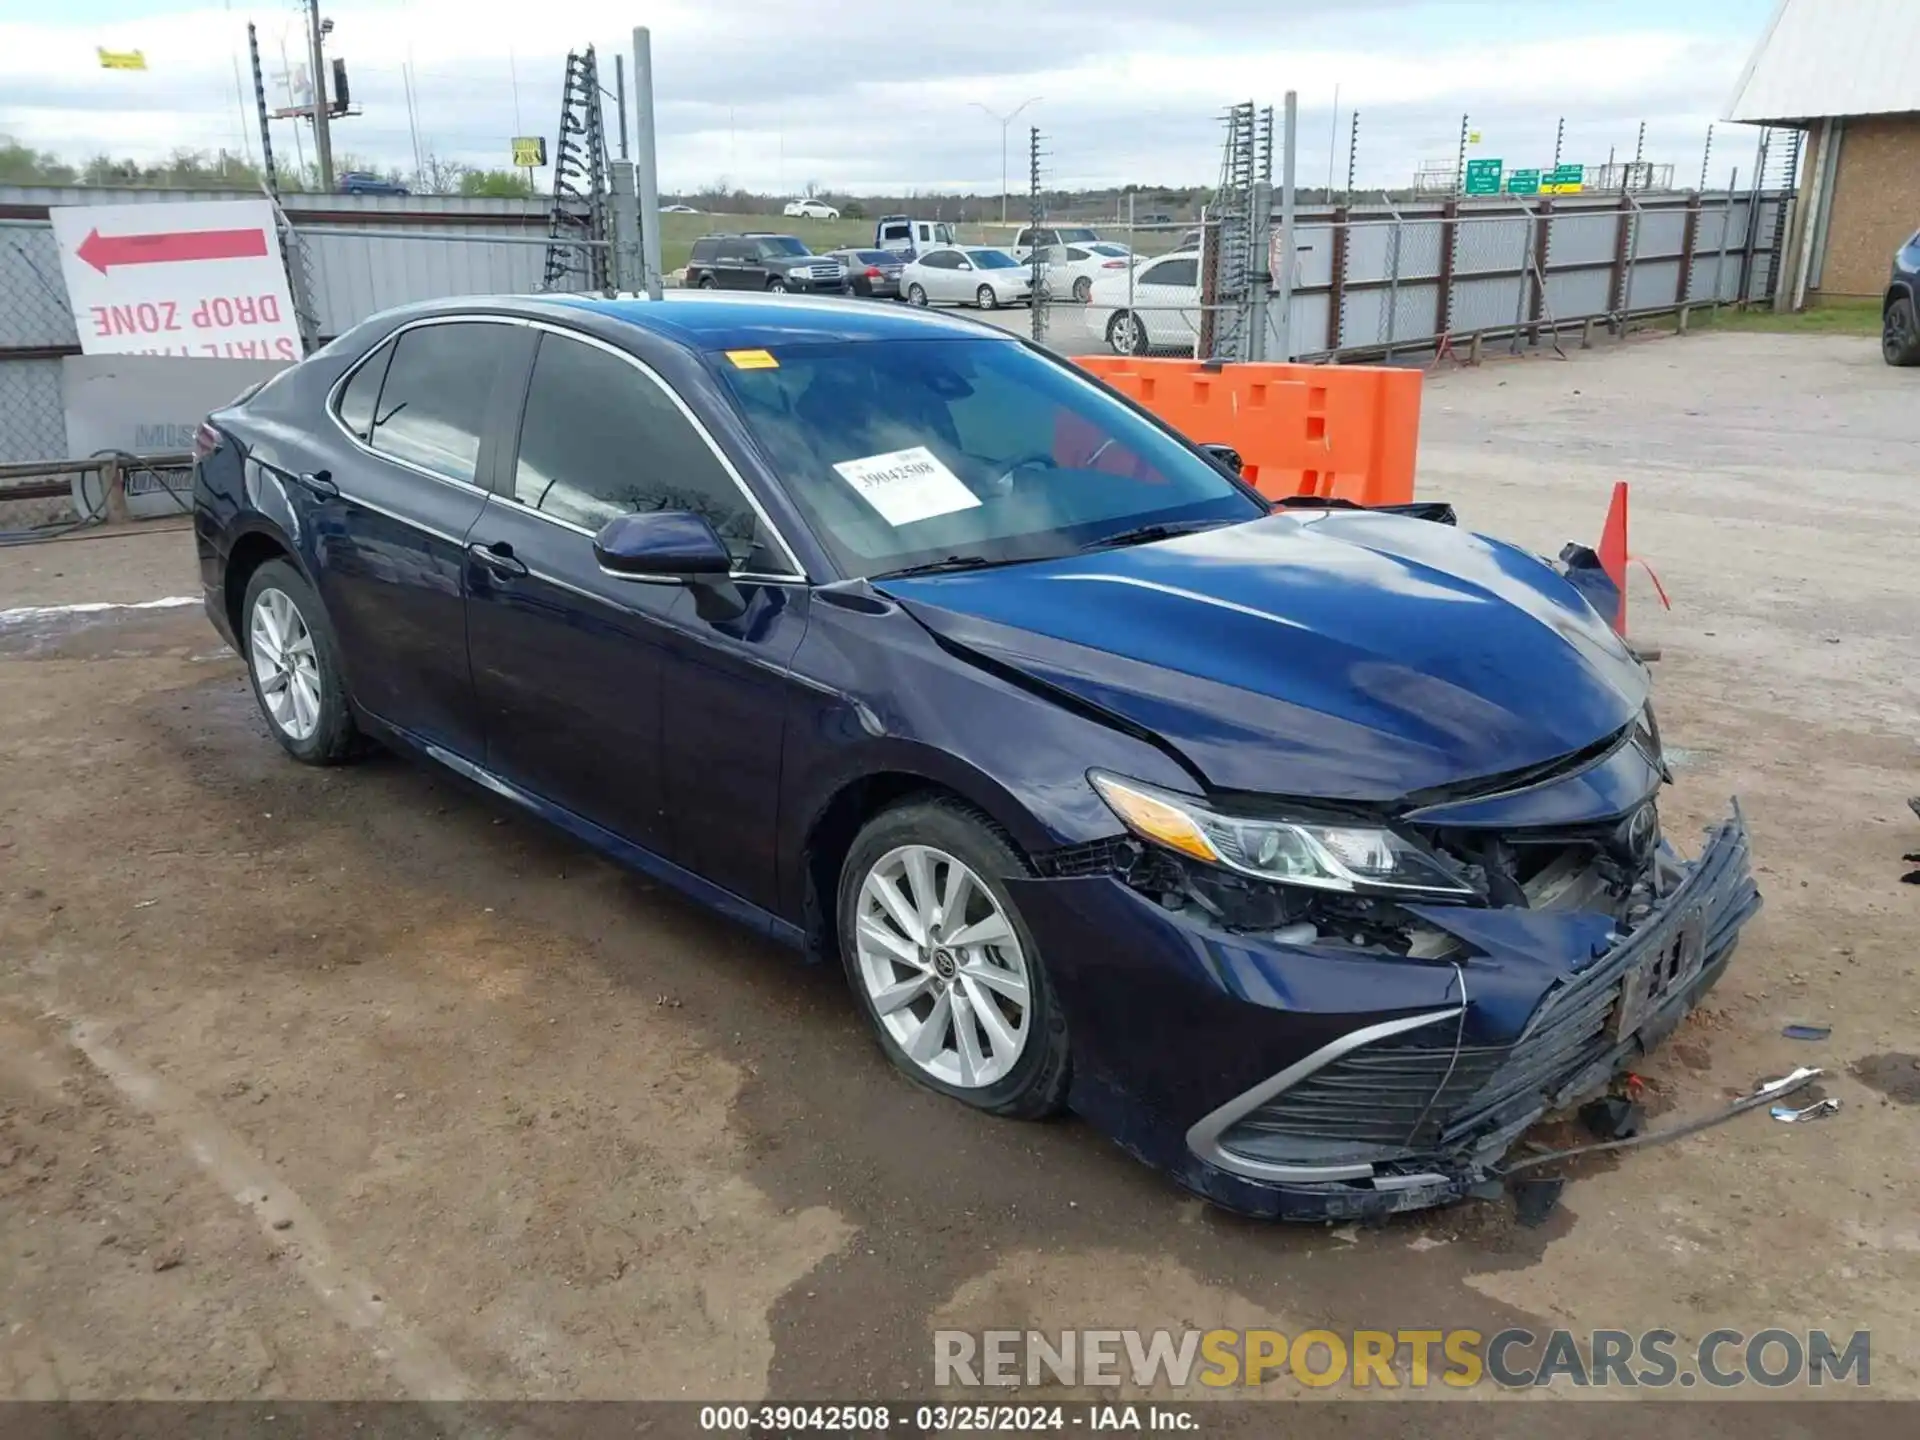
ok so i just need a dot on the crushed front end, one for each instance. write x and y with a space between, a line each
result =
1312 1055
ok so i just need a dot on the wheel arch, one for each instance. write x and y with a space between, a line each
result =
1899 290
838 821
253 547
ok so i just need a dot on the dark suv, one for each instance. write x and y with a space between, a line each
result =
763 262
1900 314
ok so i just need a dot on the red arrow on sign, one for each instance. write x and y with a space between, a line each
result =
100 251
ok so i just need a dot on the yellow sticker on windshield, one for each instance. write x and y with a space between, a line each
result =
752 360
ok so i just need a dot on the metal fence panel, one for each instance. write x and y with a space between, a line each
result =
356 275
33 421
1577 295
33 296
1662 232
1584 239
1491 245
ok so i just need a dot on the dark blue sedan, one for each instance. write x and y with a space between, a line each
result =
1313 855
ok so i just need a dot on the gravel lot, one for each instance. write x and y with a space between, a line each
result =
357 1084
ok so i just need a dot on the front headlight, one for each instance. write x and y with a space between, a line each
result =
1324 855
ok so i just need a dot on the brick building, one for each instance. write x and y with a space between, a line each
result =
1847 72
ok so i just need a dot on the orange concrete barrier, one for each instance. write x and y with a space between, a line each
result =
1346 432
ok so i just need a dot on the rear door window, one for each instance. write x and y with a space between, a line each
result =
363 392
433 405
1184 272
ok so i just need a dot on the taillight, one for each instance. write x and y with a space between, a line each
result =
206 440
1114 265
873 272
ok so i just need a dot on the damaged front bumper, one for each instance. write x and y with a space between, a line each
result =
1309 1083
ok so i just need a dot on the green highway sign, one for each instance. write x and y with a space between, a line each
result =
1523 182
1483 176
1564 180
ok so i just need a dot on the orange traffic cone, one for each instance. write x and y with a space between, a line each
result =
1614 558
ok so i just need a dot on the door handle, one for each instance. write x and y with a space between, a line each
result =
320 482
499 558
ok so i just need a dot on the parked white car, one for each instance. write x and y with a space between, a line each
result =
975 275
1073 269
1048 235
1161 313
811 210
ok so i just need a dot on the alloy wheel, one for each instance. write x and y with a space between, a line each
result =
988 300
1083 290
916 296
1897 340
280 649
942 966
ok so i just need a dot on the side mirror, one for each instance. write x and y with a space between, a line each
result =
662 545
964 265
1225 456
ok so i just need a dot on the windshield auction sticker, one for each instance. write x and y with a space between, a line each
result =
907 485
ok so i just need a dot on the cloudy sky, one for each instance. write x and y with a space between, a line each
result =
863 96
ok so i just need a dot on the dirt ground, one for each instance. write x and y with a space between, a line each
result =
356 1083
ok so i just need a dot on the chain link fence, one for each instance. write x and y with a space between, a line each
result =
1386 283
338 274
1367 283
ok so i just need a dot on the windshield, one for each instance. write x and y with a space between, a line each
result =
904 452
877 257
783 245
993 260
1079 235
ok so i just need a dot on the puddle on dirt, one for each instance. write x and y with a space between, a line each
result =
1894 1075
99 630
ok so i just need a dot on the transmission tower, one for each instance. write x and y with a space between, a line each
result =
579 184
1246 159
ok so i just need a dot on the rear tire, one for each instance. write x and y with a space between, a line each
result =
1083 290
1126 335
1012 1059
916 296
986 299
293 663
1900 333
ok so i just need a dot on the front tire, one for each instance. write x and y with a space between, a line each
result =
1900 334
916 297
1126 335
986 299
707 282
294 665
776 286
944 968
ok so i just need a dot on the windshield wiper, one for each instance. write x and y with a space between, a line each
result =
935 567
1161 530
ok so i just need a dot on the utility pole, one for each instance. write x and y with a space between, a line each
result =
1005 121
322 140
646 172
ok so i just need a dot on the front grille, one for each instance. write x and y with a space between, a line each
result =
1095 857
1410 1092
1397 1095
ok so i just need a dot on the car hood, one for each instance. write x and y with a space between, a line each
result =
1341 655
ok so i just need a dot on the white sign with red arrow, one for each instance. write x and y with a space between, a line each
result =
192 278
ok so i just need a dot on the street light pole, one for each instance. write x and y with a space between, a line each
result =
1005 121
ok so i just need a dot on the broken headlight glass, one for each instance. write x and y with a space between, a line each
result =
1353 857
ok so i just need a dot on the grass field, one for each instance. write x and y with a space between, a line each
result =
1828 317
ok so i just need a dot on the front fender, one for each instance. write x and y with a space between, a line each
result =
875 695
